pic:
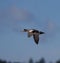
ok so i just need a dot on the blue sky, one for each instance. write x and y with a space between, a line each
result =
16 15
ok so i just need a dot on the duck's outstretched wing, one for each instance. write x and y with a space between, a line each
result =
36 38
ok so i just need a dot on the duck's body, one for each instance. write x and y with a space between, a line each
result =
34 33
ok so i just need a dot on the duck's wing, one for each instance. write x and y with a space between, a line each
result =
36 38
30 34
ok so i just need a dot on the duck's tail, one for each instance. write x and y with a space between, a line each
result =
42 32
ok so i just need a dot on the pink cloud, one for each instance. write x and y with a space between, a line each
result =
51 26
20 14
15 13
10 16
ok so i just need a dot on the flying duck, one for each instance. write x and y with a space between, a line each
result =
35 33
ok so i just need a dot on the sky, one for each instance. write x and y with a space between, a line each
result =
16 15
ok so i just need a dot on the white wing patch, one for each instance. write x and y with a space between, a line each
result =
30 30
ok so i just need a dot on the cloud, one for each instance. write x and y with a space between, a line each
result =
51 26
16 13
20 14
51 30
12 17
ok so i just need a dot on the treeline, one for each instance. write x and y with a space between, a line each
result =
42 60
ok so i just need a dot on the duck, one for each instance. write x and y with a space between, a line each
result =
35 33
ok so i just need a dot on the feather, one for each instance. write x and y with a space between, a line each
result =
30 34
36 38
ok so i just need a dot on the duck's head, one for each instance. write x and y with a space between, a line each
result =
24 30
42 32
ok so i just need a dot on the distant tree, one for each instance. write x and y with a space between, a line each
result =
9 62
17 62
58 61
42 60
50 62
31 60
2 61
